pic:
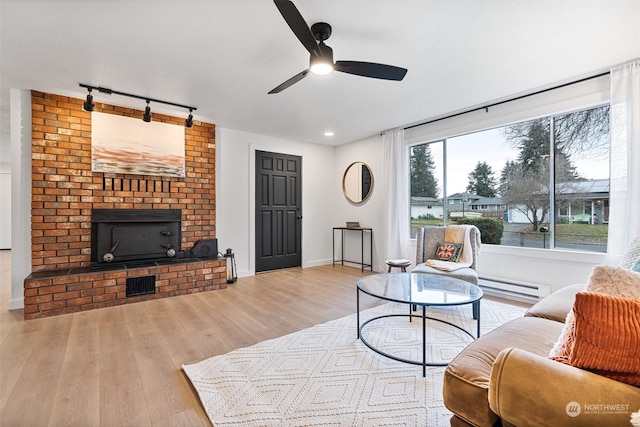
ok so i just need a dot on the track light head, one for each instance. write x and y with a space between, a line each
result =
88 104
189 121
147 113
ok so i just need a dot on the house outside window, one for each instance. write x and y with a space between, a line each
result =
546 179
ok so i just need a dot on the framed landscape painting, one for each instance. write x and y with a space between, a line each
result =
128 145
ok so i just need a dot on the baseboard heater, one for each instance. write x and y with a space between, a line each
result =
143 285
528 292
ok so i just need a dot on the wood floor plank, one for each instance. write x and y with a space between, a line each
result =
192 417
122 400
14 353
38 377
77 394
176 336
164 391
121 396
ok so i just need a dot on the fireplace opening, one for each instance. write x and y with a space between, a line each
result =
129 235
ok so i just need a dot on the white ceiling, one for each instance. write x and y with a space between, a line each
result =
223 56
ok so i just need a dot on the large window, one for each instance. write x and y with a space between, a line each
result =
546 179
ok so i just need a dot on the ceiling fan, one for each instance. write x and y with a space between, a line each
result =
321 61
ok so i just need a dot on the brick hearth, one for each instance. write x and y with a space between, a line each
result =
50 293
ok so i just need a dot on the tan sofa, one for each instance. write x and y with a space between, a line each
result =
505 378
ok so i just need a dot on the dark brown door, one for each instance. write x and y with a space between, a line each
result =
278 214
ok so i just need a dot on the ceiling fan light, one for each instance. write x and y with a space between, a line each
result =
321 68
323 63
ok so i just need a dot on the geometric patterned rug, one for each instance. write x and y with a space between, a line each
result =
324 376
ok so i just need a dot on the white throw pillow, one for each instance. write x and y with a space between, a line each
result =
612 281
632 254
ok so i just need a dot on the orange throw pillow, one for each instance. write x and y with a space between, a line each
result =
605 338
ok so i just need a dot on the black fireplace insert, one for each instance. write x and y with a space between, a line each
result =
129 235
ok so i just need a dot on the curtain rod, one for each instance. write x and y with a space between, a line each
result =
486 107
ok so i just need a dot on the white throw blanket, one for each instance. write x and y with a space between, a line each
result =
457 234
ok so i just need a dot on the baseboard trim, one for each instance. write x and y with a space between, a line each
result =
16 304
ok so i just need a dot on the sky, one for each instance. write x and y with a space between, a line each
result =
464 152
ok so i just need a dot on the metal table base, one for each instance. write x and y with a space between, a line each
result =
424 363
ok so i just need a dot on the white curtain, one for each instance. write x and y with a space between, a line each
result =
624 217
396 195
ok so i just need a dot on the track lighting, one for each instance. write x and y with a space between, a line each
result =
147 113
89 105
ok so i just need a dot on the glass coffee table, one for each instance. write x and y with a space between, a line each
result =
419 290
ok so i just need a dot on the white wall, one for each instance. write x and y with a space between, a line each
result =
20 105
235 195
5 210
368 214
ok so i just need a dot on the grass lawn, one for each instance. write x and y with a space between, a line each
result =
578 233
583 232
421 222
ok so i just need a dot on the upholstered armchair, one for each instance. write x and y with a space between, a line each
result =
428 240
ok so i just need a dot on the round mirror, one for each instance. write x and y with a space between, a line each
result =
357 182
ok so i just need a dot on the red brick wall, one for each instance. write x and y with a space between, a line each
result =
65 190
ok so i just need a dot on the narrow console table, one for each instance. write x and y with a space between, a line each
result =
362 232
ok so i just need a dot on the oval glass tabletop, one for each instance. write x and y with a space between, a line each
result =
420 288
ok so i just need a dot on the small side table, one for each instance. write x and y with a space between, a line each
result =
362 231
401 263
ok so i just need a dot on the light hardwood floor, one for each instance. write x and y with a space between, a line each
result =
121 365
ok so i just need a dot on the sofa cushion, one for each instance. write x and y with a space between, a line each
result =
531 390
614 281
605 338
467 274
607 280
466 379
557 305
632 254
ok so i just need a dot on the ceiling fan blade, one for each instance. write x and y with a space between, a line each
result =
293 80
371 69
298 25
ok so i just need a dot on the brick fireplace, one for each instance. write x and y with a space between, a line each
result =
65 191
